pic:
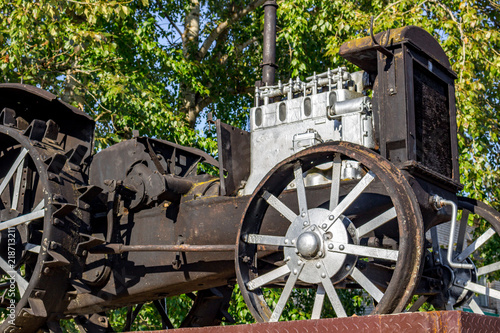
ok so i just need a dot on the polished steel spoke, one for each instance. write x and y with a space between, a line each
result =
268 277
366 284
279 206
483 290
476 244
318 302
301 192
13 168
40 206
475 307
377 222
462 231
349 198
22 219
267 240
32 247
488 268
332 294
335 189
365 251
17 186
285 294
22 284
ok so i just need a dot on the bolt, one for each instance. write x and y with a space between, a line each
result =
323 275
331 217
313 228
347 267
303 214
438 261
324 225
318 265
38 294
320 253
286 241
460 258
295 272
341 247
306 224
84 252
330 246
459 281
287 259
46 270
293 241
299 262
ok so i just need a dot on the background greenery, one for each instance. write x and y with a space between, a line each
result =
160 66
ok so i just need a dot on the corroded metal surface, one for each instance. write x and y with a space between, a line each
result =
439 321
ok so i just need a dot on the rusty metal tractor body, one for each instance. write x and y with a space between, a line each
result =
136 222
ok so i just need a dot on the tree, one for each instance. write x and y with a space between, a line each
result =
159 66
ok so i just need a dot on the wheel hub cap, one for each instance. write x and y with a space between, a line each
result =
308 244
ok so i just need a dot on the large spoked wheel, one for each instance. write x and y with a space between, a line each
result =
363 229
33 268
476 250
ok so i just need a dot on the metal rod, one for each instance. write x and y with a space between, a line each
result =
269 47
121 248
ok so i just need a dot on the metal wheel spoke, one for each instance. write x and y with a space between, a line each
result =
332 294
268 277
266 240
365 251
285 294
483 290
349 198
318 302
377 222
335 189
22 284
301 190
488 268
462 231
475 307
22 219
17 186
476 244
364 282
32 248
418 303
10 173
40 206
279 206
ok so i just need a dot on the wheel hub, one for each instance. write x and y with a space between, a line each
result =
308 244
311 244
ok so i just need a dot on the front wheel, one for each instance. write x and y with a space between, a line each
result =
357 226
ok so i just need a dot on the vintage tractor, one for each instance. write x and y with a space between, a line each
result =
331 189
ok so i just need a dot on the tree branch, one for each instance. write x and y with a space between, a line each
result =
225 25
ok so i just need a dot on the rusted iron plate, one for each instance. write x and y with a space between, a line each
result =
439 321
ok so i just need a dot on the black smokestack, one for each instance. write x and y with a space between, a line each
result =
269 58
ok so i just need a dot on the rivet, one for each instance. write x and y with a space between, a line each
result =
459 258
324 226
347 267
84 252
459 281
287 259
318 265
331 217
295 272
306 224
293 241
303 214
320 253
46 270
330 246
286 241
313 228
323 275
341 247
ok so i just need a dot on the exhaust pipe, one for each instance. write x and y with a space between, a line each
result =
269 47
